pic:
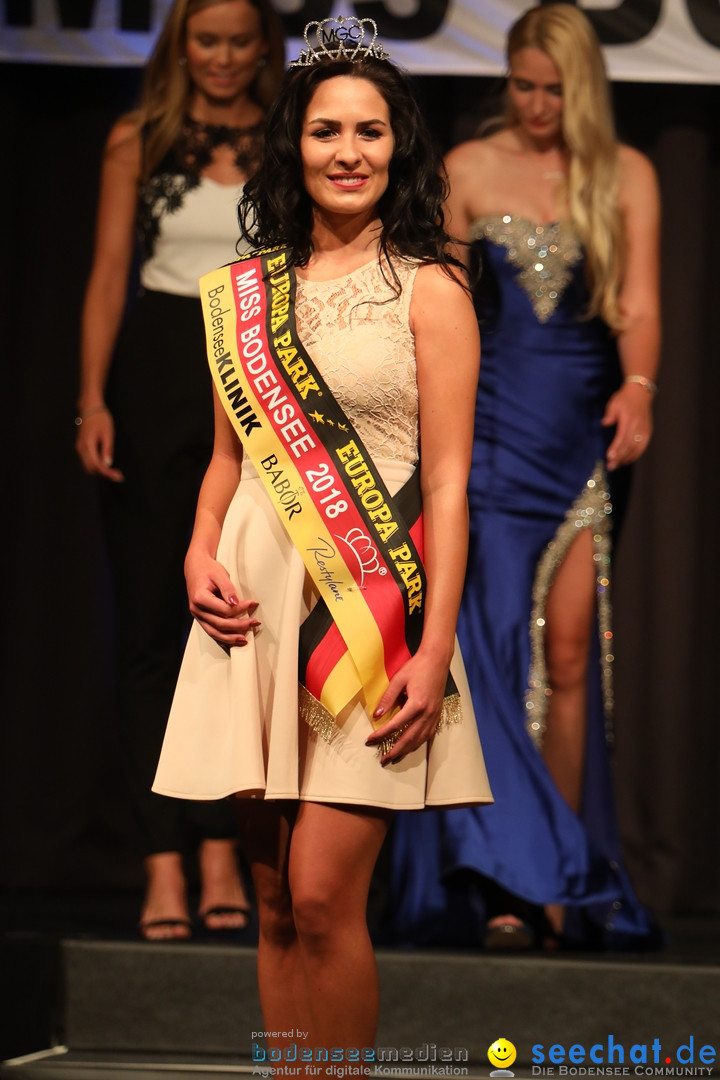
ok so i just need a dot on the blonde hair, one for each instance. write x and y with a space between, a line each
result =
166 87
565 35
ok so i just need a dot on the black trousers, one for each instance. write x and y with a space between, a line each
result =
160 396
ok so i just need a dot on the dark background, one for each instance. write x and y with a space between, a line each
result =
64 817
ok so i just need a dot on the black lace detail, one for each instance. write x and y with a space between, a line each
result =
181 168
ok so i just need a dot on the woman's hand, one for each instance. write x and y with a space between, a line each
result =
630 410
95 444
417 690
105 295
446 395
214 602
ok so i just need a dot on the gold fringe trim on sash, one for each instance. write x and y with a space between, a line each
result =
591 510
451 714
316 716
324 724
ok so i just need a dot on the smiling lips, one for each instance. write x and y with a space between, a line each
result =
347 180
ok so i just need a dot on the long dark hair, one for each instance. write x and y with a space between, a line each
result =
276 209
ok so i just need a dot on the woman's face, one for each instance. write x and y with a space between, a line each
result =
223 45
536 95
346 146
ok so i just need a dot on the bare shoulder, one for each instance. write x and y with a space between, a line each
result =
469 158
124 145
439 282
638 179
439 289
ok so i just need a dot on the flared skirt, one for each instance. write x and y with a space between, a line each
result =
234 726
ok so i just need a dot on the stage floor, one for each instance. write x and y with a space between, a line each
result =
76 979
113 916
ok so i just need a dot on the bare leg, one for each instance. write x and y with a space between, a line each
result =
222 885
165 898
569 618
265 830
569 625
312 866
332 855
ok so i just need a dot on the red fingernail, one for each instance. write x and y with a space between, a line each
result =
379 712
233 600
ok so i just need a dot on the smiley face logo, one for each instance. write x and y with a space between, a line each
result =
501 1054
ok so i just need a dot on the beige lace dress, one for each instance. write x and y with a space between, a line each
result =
235 724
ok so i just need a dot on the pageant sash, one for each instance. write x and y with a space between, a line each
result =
362 549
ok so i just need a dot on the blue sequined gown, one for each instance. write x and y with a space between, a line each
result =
537 481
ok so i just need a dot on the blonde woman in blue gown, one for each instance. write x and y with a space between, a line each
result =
563 221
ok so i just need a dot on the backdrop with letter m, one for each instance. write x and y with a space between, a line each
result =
645 40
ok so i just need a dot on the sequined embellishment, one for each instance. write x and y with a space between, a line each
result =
592 510
545 255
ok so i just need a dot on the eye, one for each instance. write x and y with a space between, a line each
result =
371 133
322 133
555 90
523 85
206 40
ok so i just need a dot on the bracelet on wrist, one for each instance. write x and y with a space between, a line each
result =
81 416
642 380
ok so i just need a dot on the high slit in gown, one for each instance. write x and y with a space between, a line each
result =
537 481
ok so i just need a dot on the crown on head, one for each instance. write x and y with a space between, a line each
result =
340 39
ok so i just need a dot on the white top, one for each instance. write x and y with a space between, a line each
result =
197 237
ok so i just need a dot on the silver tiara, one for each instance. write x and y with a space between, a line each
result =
340 39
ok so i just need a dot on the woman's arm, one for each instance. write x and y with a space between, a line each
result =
639 340
213 597
448 354
105 295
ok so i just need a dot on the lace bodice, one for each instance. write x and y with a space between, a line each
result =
358 333
181 169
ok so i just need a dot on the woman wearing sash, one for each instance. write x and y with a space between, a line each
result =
173 171
564 222
310 686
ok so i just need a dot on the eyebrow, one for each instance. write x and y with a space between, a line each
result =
361 123
532 82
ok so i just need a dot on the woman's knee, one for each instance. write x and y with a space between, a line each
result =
275 916
314 913
567 659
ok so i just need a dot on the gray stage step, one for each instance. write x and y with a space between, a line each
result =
192 1003
64 1064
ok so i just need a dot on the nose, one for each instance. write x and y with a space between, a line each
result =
537 102
223 54
347 151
